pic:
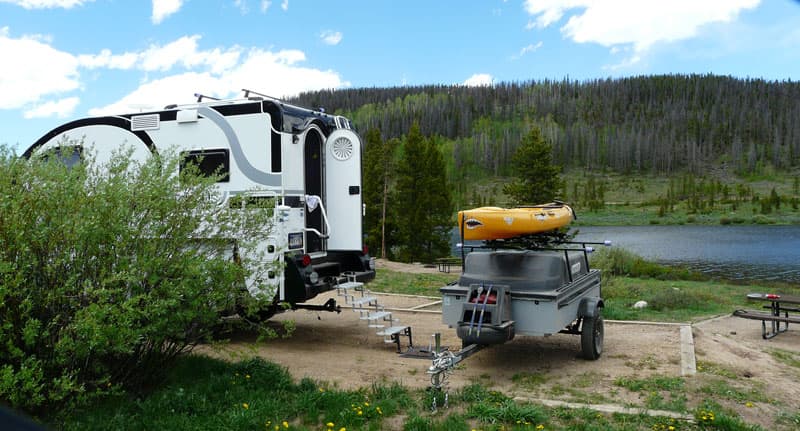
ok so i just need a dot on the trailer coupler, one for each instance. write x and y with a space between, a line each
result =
444 361
330 305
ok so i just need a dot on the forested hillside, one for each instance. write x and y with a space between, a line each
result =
655 124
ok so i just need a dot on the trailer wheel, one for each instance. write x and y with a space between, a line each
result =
592 337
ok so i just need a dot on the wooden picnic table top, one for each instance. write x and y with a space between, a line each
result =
774 297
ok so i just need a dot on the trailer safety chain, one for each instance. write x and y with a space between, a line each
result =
434 404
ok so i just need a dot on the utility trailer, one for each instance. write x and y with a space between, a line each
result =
536 285
304 162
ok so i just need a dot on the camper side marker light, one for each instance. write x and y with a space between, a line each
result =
306 260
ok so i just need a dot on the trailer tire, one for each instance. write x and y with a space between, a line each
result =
592 337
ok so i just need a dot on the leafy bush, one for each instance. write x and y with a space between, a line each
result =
617 261
104 276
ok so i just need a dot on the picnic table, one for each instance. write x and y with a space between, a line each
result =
779 308
444 263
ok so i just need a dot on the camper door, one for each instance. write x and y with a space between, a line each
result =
343 189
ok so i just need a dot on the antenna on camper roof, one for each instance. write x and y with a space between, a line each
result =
201 96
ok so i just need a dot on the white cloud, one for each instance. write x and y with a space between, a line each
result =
62 108
43 74
242 6
265 4
331 37
39 70
530 48
285 5
46 4
164 8
159 93
547 12
640 24
182 52
286 78
107 60
479 79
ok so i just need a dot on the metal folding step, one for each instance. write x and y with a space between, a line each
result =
348 286
392 334
377 319
373 313
360 301
376 316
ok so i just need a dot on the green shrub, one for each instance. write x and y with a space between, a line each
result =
725 220
103 279
616 261
762 219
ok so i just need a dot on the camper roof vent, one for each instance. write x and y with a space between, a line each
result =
144 122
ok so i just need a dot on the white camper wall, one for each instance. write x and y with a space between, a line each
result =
292 165
100 142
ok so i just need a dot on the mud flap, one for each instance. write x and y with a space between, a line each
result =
590 307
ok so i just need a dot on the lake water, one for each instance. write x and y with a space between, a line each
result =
736 252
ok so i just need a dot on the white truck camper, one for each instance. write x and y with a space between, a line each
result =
307 161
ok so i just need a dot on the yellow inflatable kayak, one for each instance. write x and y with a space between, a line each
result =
487 223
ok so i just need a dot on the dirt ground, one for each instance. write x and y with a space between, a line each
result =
342 350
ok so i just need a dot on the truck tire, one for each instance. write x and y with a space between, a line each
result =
592 337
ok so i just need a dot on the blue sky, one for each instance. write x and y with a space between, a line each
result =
66 59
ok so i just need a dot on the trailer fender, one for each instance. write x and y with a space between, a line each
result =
590 307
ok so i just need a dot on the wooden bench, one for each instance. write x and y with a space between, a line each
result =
764 317
444 263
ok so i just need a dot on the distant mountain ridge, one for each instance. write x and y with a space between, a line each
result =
659 124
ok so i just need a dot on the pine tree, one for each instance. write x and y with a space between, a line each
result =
537 181
378 169
422 200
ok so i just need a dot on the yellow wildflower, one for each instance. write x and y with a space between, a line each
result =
246 406
329 425
285 424
748 404
247 376
540 427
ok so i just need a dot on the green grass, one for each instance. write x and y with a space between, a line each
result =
207 394
787 357
410 284
632 200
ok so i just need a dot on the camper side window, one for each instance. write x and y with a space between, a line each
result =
69 156
209 163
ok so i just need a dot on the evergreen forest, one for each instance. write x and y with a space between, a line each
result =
658 124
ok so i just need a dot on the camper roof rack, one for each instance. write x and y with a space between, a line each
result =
247 95
200 97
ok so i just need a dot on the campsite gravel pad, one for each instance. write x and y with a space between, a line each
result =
342 350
